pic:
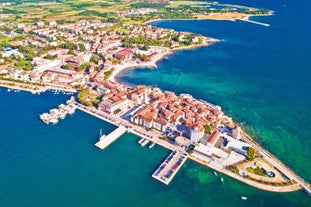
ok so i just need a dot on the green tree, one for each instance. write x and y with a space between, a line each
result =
251 153
69 66
83 67
208 129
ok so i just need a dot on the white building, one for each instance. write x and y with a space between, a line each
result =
196 132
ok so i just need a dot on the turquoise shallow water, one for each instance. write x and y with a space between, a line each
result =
58 165
259 75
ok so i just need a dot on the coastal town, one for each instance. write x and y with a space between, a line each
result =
85 57
73 55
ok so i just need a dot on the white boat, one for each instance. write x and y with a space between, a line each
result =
71 111
151 145
54 121
145 142
243 198
62 115
215 173
141 141
222 179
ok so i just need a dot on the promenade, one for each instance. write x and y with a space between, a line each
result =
34 88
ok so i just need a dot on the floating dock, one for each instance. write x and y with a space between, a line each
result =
114 135
169 168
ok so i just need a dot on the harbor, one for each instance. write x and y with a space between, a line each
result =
166 171
61 112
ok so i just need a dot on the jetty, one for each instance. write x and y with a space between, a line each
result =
169 168
105 141
255 22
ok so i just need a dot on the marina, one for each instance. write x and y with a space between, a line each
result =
169 168
59 113
169 173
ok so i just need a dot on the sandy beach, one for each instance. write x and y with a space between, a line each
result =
153 63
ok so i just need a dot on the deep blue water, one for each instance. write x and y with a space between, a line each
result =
259 75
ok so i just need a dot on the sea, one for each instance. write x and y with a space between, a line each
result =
259 75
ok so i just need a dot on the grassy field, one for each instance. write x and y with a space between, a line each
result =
109 10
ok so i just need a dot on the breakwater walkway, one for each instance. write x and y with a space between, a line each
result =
255 22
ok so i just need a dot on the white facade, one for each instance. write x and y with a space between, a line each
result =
196 134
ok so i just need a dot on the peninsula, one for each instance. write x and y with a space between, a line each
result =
84 56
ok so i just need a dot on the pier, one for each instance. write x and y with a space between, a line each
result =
113 136
255 22
169 168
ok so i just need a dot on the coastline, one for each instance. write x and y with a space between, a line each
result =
153 137
153 63
217 17
33 88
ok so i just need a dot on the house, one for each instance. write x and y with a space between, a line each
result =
160 125
40 24
52 23
147 121
213 138
196 132
111 106
125 54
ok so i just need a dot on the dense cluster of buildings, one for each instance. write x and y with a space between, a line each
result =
177 117
89 38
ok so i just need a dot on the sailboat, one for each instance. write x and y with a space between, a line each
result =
101 136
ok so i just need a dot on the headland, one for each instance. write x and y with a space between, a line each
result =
86 55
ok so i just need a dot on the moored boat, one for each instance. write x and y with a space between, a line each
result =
54 121
145 142
243 198
141 141
151 145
